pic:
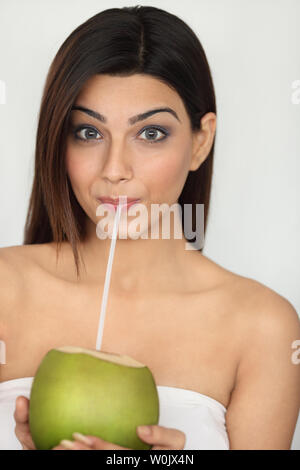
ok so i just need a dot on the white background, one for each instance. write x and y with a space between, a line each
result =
254 53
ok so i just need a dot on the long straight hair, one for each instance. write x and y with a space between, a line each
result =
118 42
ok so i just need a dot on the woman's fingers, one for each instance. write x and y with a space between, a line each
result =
21 416
100 444
96 444
21 413
160 438
163 438
68 447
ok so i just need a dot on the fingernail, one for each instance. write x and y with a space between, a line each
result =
145 430
80 437
17 401
67 444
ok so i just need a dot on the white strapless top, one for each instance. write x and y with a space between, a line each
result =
200 417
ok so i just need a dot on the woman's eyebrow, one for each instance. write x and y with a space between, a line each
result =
133 119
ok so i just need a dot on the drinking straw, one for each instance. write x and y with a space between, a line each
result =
107 277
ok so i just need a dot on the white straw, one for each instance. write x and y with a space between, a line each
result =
107 277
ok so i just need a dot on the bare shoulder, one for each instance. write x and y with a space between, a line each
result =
15 261
258 300
11 261
264 402
268 326
10 285
19 259
257 310
16 265
267 310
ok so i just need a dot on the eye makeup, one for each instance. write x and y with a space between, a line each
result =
88 128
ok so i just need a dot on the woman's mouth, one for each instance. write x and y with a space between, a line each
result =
112 204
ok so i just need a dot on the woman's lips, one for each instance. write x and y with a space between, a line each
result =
112 205
116 200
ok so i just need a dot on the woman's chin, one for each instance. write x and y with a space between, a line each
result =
124 232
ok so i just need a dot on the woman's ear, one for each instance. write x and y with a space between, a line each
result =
203 140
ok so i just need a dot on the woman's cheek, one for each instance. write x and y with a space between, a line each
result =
80 168
168 179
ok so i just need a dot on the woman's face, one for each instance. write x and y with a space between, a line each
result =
147 159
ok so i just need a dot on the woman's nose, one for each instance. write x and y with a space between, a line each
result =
117 165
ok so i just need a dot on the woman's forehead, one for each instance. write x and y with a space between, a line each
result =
130 96
137 87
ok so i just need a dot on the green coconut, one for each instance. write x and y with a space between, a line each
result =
92 392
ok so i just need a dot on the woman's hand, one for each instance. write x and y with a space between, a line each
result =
21 416
160 438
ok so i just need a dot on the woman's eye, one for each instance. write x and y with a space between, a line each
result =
86 133
151 134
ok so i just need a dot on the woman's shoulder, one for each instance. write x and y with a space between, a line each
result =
26 267
254 303
261 322
271 317
13 262
263 303
268 318
16 254
11 274
17 260
21 258
22 270
16 265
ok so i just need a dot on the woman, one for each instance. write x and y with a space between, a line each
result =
129 110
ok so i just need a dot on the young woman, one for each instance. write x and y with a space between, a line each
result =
129 109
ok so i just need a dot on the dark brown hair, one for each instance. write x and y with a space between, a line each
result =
121 42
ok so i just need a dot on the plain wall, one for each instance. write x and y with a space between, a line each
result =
253 51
